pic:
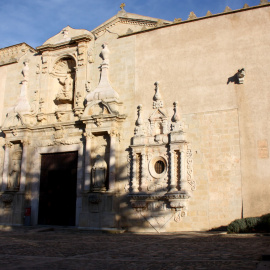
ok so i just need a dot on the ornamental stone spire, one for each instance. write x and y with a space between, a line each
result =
104 90
158 102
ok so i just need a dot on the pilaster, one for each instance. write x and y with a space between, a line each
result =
6 166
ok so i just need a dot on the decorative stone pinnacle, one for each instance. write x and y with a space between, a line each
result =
104 90
192 16
227 9
175 117
139 121
263 2
177 20
139 129
122 6
208 13
158 103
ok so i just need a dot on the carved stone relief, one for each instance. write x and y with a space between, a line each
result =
64 71
161 165
99 173
15 167
82 48
65 35
100 161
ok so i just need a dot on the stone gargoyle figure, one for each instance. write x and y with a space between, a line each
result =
241 75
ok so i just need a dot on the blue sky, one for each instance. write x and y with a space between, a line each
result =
34 21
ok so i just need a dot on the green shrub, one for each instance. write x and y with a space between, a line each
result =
244 225
237 226
252 223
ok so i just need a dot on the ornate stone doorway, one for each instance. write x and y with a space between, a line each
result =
58 181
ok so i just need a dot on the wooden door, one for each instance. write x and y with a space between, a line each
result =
58 187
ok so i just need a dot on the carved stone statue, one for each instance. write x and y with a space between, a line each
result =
25 71
67 88
15 170
105 54
99 172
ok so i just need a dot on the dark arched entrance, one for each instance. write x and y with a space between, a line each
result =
58 181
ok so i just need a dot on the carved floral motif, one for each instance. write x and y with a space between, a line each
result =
190 170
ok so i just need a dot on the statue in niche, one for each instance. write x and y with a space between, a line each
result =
65 71
15 171
66 90
99 172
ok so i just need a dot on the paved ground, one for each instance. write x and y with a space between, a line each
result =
71 249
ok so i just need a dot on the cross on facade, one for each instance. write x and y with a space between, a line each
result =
122 6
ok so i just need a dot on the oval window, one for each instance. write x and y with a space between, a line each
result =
159 167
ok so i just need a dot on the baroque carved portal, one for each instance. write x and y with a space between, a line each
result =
64 71
160 161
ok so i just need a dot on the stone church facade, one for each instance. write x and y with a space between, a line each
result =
142 124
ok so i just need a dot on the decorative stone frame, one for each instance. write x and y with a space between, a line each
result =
173 187
151 167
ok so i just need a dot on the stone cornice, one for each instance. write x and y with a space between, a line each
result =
12 54
197 19
126 20
72 42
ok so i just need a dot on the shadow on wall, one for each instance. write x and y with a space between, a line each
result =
14 203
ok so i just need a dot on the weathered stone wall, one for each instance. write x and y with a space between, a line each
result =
194 62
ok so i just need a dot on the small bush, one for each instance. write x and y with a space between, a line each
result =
244 225
252 223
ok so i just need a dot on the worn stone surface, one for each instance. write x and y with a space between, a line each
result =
43 249
205 122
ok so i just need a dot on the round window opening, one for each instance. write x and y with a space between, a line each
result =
159 167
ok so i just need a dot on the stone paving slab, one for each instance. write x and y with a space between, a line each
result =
22 248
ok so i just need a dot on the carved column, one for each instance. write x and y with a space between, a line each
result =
87 173
143 184
6 166
183 179
24 165
113 134
173 182
135 183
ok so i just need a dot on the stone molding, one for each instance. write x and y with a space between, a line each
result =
72 42
12 54
208 15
